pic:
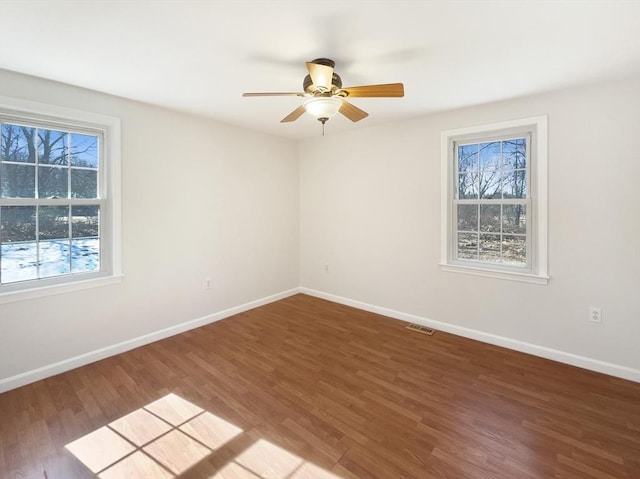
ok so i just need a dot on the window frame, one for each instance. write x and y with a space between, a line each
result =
533 128
17 111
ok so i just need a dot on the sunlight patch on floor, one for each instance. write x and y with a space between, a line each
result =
264 460
100 448
160 440
167 437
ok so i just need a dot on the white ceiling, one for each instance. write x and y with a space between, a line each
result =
200 56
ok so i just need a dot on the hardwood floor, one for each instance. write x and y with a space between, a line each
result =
305 388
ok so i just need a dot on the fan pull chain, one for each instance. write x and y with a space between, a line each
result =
323 120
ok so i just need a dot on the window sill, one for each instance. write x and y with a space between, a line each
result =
492 273
34 293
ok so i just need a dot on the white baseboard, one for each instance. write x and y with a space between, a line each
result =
616 370
92 356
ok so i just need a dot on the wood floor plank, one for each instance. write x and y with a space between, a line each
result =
315 386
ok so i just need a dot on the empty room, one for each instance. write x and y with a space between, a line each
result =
319 239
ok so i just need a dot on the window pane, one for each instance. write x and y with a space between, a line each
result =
84 150
467 217
514 250
467 246
490 248
84 221
514 154
18 224
17 144
490 155
53 182
17 181
489 183
52 147
53 222
514 219
468 186
54 258
514 184
84 183
18 262
468 158
85 255
490 218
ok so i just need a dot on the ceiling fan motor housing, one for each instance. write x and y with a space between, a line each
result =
336 81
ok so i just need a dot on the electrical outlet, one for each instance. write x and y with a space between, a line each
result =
207 283
595 314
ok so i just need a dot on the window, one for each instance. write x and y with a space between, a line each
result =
494 218
59 204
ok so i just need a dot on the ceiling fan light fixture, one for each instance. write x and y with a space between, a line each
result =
323 107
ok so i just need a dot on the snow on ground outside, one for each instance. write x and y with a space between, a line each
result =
57 257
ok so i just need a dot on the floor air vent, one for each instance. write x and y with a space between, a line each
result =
421 329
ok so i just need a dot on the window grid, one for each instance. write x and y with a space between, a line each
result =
479 201
70 201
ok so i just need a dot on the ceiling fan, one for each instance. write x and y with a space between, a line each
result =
323 87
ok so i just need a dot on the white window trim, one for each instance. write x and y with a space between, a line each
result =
539 270
39 112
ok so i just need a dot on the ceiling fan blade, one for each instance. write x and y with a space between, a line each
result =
352 112
321 75
284 93
384 90
294 115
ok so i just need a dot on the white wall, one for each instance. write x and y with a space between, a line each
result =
370 210
199 199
